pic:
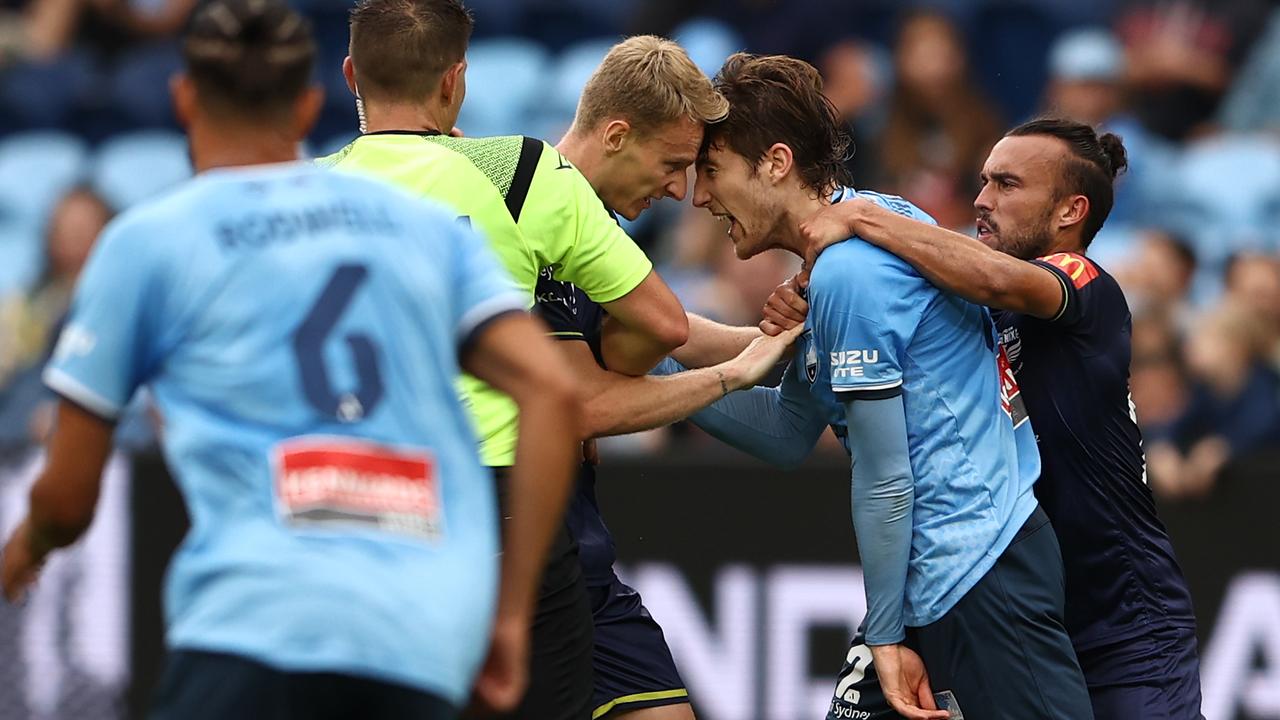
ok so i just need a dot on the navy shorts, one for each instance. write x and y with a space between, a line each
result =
1001 652
560 674
633 665
1154 676
215 686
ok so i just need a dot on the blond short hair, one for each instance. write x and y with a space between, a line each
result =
648 81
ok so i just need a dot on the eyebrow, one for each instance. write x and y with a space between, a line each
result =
1001 176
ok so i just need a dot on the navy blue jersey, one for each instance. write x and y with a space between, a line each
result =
1122 577
574 317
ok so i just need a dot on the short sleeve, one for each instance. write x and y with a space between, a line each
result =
1081 288
567 311
865 306
110 343
574 233
483 289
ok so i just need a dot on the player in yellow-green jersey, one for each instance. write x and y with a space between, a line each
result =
407 68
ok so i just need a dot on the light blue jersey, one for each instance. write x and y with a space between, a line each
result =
299 331
877 328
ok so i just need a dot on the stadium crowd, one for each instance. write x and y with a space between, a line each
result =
86 130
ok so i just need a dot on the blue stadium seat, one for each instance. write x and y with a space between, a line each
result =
1225 219
137 166
569 74
36 169
505 81
708 42
21 254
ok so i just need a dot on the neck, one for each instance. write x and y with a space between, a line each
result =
798 207
239 144
1066 244
398 116
579 150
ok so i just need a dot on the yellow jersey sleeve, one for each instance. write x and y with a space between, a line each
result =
570 231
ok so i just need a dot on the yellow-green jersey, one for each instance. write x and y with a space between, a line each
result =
537 210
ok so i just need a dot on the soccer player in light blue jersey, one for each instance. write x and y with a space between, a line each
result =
301 332
963 573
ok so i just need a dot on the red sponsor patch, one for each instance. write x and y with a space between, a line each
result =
1010 394
1078 267
345 482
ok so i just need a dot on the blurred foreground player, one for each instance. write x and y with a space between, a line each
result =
1046 191
962 570
301 335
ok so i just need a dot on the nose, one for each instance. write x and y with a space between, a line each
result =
701 195
678 186
984 202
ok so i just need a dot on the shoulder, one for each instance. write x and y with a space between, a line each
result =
895 203
856 263
1078 269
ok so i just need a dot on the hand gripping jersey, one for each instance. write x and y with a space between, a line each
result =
877 328
536 209
299 331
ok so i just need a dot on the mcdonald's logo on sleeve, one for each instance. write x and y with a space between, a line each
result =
1077 267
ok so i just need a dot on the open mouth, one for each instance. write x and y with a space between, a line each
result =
733 222
984 228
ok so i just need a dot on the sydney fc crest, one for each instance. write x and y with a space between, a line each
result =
810 356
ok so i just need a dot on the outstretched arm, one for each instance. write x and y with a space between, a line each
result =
954 262
615 404
711 342
778 425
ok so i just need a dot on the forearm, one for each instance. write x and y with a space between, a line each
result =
51 524
882 495
625 404
775 425
546 458
630 351
64 498
954 262
711 342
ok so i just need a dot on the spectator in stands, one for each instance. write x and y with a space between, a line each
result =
709 279
1252 103
1182 55
1158 277
29 324
1085 72
1158 376
1253 282
856 78
1234 406
87 56
940 128
27 321
41 77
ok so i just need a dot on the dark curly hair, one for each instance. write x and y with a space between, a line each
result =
1089 170
778 99
249 58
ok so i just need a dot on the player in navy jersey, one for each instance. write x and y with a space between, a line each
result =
1064 322
301 332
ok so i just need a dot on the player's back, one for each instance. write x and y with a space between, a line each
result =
299 330
880 328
